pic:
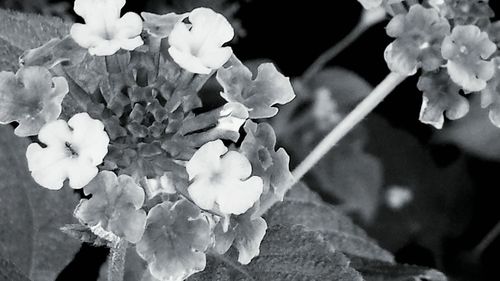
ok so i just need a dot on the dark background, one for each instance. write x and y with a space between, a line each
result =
293 34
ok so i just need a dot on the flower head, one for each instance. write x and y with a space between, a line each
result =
104 32
467 50
197 47
222 179
464 11
419 35
73 150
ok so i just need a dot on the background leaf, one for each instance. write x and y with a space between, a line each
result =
31 216
347 174
20 32
287 253
382 271
441 192
28 31
9 56
474 133
320 217
9 272
308 239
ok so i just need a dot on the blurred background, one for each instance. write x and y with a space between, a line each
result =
430 197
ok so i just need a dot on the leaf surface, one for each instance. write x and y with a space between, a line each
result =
31 216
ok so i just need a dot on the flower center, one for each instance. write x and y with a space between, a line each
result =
71 150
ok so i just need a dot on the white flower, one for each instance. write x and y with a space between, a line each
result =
73 150
232 116
104 32
197 47
222 179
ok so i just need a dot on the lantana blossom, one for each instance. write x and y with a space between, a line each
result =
197 47
104 32
73 150
32 97
419 35
467 50
222 180
115 206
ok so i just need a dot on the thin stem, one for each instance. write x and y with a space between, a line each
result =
331 53
345 126
367 20
487 240
116 258
348 123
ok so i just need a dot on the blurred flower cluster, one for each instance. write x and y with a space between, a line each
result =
454 44
115 109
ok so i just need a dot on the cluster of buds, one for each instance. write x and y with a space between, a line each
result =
115 109
454 44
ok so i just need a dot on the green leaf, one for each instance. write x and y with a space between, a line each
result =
28 31
474 133
9 272
347 174
338 230
439 208
9 56
353 176
346 87
302 207
20 32
383 271
31 216
287 253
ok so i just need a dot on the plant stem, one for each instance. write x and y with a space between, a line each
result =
348 123
343 128
327 56
487 240
116 264
368 19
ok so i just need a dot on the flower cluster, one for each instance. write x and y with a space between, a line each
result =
122 119
454 44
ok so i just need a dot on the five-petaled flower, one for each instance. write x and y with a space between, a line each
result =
419 35
197 47
32 97
467 50
222 180
73 150
104 32
115 206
